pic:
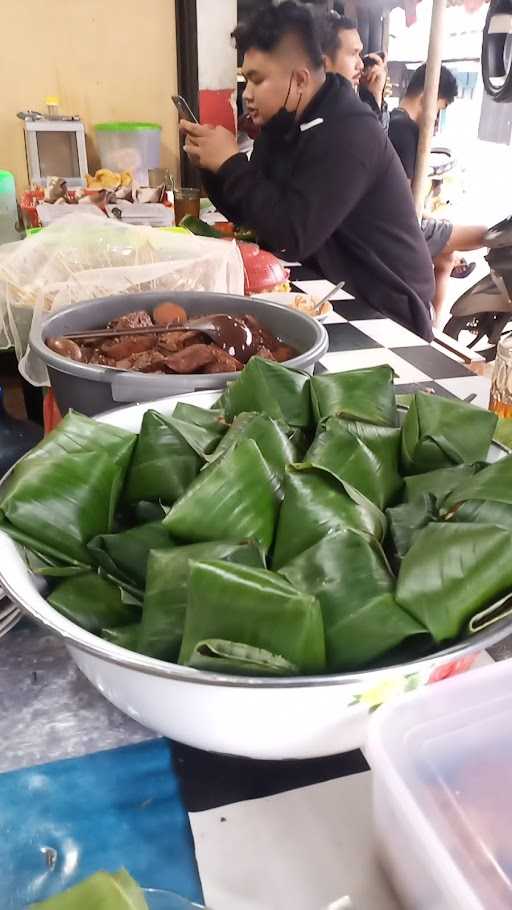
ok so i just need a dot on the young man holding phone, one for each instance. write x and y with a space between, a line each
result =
324 185
343 48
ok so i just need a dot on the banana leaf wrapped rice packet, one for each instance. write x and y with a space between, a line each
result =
365 455
124 556
361 395
94 602
163 465
278 443
234 499
66 490
484 497
439 432
166 597
348 574
256 607
453 571
317 503
270 389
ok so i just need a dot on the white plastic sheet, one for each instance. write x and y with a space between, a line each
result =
83 257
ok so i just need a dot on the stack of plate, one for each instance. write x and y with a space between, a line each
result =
9 614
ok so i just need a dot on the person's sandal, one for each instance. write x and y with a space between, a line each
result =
463 269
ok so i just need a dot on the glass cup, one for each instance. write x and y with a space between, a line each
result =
501 384
160 175
187 200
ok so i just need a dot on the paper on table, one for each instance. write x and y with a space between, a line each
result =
320 287
212 217
302 849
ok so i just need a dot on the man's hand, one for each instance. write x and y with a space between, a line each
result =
208 147
374 78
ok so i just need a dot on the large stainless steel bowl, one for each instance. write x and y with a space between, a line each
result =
297 717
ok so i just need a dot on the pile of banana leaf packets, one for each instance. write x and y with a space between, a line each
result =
302 525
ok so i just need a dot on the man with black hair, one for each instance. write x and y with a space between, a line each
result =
443 237
343 48
324 185
404 127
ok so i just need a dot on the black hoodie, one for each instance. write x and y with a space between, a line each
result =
330 192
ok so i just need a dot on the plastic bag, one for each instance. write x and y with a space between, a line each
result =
82 257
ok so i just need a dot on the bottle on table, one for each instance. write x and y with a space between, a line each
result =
501 385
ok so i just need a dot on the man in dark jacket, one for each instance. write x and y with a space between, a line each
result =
324 185
343 49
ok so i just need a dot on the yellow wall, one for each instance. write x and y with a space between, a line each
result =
104 59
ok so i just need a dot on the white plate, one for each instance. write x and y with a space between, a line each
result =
288 298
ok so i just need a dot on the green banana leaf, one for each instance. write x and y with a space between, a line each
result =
221 656
348 574
439 432
123 636
166 596
407 519
66 489
77 433
93 602
439 483
316 503
235 500
50 568
363 395
452 572
202 429
144 512
270 389
55 505
271 437
485 497
503 432
254 607
124 556
364 455
163 464
101 891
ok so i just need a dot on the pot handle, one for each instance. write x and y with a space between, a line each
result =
130 387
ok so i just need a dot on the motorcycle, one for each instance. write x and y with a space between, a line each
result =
486 308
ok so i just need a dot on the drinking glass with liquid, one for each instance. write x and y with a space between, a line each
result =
501 385
187 200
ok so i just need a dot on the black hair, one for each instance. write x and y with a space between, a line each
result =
330 26
447 84
268 26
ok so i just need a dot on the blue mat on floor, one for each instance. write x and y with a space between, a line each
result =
63 821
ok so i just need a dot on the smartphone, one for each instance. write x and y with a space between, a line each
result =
183 109
369 61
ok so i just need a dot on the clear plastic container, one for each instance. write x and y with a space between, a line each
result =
129 146
52 106
442 762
